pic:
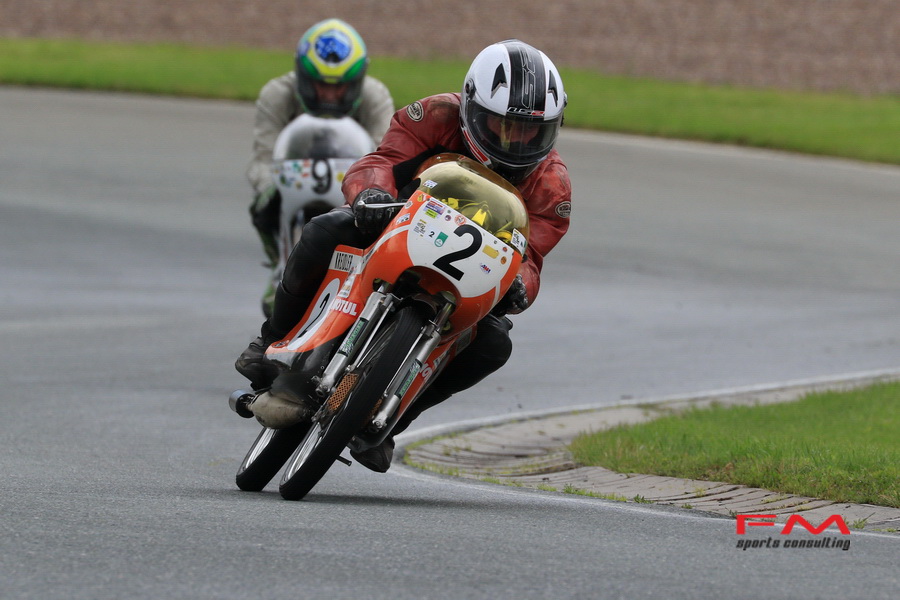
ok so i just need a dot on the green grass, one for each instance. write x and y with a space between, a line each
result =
827 124
864 128
840 446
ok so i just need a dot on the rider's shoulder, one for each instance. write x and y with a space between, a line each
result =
374 92
279 92
373 85
440 108
549 184
553 166
281 85
555 161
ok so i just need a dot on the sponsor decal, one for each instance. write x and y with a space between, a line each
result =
460 219
344 306
518 241
415 111
345 290
404 219
420 228
525 111
441 238
447 217
429 370
413 371
350 340
492 252
342 261
433 209
564 209
485 268
430 183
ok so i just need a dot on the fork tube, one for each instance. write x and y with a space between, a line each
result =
432 336
375 307
399 386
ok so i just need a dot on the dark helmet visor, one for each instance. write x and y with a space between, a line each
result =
517 141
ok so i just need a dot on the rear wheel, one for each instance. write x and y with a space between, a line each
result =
352 404
272 448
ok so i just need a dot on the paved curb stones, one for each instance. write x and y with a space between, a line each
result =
532 452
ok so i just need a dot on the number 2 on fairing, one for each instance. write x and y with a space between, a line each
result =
445 263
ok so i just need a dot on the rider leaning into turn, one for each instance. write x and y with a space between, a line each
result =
329 80
507 117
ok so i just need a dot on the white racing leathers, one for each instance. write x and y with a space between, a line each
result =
278 105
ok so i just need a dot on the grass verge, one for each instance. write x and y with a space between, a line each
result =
845 125
840 446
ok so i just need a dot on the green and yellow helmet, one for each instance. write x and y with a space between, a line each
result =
331 53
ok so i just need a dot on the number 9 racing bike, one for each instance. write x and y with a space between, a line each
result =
309 160
385 321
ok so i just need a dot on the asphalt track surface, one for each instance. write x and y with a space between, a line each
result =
130 282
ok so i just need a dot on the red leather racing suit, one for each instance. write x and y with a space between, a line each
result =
431 126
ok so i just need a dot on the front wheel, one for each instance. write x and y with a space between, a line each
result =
268 454
353 403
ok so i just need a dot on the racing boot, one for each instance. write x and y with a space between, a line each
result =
286 311
378 458
252 363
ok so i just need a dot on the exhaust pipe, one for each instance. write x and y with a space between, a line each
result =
240 400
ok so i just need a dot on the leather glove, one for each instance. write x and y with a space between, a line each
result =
372 221
514 301
265 210
265 214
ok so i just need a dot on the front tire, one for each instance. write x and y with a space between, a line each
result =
327 438
272 448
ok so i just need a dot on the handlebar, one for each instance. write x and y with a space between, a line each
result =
386 205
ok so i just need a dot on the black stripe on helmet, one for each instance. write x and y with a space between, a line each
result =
499 80
527 81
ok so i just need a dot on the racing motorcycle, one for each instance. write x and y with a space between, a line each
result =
385 321
309 160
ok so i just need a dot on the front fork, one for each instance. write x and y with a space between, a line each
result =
369 319
427 342
386 418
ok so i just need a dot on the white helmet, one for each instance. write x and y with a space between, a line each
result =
511 108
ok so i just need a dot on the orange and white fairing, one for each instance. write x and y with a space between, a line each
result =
464 231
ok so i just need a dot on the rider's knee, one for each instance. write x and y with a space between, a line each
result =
330 229
309 259
492 341
489 351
